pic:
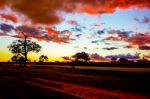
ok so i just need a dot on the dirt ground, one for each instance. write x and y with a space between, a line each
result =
45 82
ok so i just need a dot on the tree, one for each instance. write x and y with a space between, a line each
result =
17 59
43 58
123 60
23 47
21 60
14 58
81 57
113 59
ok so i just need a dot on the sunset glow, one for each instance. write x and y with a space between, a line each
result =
102 28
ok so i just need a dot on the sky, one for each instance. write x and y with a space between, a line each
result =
102 28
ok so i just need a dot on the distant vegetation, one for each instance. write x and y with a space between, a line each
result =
81 57
43 58
21 48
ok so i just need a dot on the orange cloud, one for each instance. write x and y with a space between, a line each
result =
2 3
39 33
9 17
97 58
46 11
140 39
147 56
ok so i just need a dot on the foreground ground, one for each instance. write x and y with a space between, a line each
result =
45 82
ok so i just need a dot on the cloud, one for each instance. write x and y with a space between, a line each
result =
128 56
78 35
119 33
9 17
144 47
39 33
48 9
73 22
85 48
97 57
3 34
112 38
2 3
110 48
64 36
78 28
58 36
100 32
72 39
30 31
136 39
147 56
96 41
76 46
145 20
128 46
139 39
99 25
6 27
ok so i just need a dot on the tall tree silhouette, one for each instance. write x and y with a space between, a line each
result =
23 47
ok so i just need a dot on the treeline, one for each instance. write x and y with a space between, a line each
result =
99 64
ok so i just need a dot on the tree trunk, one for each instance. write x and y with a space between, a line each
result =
25 51
25 60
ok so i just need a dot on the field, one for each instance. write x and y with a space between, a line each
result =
64 82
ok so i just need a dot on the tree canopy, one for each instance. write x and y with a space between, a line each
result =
17 47
23 47
81 56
